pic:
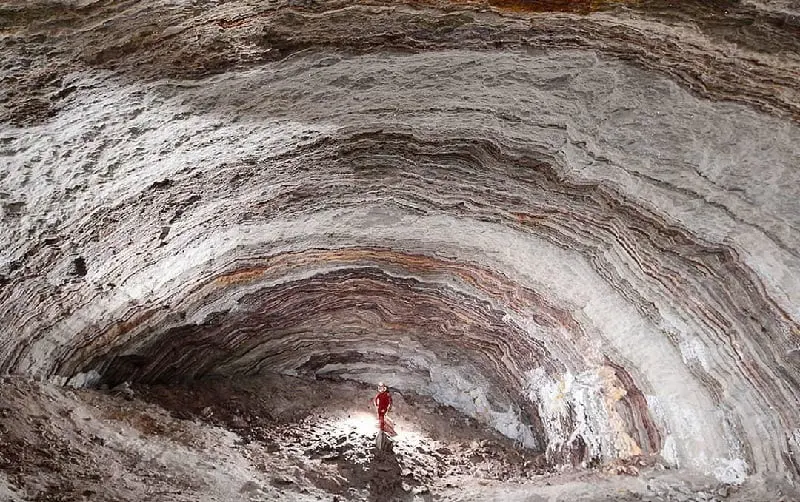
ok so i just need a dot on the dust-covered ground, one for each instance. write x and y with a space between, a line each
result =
279 438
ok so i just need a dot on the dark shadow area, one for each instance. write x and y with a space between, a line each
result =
385 475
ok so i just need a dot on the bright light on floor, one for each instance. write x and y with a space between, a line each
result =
364 424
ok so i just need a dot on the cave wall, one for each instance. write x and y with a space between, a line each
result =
577 224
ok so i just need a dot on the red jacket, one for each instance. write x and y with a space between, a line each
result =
383 400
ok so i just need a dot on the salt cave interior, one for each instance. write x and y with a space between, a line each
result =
565 233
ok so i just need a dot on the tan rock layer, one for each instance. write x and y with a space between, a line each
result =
731 58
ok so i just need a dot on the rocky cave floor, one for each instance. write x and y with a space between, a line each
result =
278 438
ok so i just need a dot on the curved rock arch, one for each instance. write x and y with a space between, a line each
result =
590 236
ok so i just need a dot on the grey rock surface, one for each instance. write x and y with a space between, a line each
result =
577 223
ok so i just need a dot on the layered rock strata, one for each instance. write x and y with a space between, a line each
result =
579 227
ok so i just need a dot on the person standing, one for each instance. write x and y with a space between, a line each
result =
383 403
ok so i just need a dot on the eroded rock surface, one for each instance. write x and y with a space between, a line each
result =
577 223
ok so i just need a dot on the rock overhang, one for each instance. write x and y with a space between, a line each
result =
591 241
